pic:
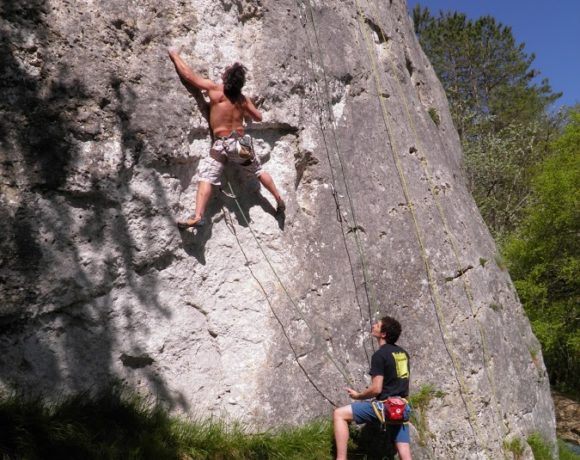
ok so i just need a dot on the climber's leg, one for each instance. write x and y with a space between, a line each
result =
209 173
203 195
267 181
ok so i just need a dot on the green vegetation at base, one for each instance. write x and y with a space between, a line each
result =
542 450
115 424
540 447
564 452
514 446
420 403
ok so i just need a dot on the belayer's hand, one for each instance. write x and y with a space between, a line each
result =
352 393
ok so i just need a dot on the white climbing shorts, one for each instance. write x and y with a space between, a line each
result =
223 151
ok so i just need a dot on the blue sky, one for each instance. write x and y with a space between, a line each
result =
550 30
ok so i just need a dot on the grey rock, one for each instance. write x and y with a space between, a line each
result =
261 318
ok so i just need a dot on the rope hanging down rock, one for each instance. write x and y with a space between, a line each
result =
373 309
465 282
441 320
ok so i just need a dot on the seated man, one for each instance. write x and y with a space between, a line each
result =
227 109
390 377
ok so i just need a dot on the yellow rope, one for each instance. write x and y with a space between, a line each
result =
332 176
432 284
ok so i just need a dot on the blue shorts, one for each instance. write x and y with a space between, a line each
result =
363 412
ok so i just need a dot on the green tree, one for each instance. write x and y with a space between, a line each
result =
500 113
498 171
544 257
487 76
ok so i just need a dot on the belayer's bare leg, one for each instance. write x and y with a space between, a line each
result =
267 181
404 450
341 418
201 200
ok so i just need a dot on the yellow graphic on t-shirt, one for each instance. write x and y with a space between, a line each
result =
402 365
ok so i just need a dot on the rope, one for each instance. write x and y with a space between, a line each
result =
296 358
294 305
372 305
232 195
466 285
432 284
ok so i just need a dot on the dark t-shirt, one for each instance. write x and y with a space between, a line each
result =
392 362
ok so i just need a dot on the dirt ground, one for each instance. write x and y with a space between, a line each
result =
567 418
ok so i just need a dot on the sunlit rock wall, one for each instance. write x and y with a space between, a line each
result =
258 316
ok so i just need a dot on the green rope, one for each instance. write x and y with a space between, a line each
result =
294 352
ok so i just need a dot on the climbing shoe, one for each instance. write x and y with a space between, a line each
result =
281 207
191 221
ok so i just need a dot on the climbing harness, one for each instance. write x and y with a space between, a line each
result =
245 147
236 146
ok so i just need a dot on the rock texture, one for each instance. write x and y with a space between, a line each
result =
261 317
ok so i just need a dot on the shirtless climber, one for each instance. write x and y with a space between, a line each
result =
228 107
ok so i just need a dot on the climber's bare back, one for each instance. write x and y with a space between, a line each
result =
225 116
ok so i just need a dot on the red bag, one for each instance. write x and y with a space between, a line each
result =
396 410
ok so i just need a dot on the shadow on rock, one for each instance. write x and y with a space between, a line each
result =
74 276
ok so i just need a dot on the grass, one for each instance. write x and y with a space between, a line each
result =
540 447
420 403
565 453
542 450
115 425
434 115
516 447
103 426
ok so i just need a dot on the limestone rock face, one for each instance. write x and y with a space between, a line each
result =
262 317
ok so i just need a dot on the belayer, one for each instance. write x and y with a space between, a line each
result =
227 109
390 372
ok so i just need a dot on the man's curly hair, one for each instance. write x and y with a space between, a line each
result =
391 328
234 80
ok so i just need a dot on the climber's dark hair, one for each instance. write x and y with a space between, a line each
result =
234 79
391 328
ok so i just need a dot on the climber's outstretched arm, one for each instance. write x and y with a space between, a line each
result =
189 76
